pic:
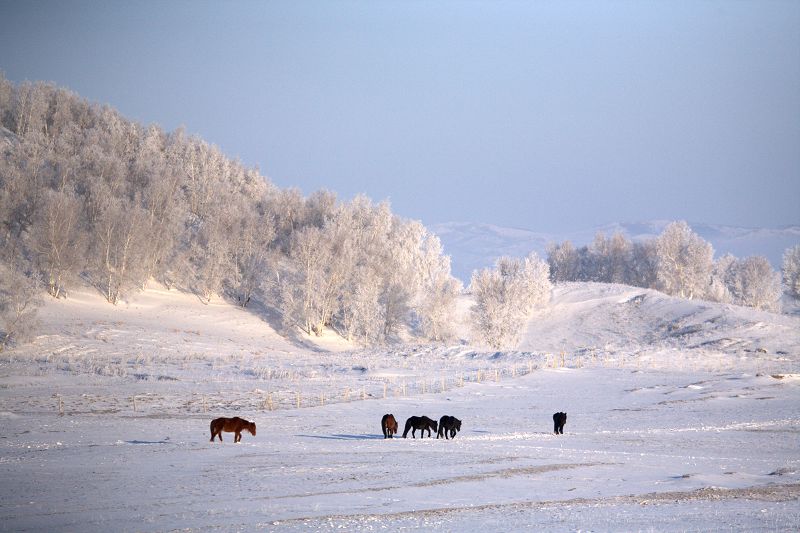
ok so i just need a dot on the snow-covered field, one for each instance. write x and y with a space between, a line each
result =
682 416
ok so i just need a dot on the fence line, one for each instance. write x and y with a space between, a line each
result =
292 395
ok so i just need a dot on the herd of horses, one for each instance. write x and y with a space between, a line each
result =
447 426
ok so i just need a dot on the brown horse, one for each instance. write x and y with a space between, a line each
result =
389 426
235 425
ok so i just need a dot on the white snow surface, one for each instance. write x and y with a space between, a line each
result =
682 416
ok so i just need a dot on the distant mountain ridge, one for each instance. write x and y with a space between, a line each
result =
473 246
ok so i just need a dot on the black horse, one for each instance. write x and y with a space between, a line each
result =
559 419
419 422
448 424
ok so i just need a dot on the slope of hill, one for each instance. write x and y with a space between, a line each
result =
162 341
649 325
472 246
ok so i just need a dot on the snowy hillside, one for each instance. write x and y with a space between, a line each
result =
671 406
473 246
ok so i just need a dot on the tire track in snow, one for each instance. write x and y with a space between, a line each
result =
503 473
768 493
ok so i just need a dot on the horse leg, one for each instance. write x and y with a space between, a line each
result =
237 437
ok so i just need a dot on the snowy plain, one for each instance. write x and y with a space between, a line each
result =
682 416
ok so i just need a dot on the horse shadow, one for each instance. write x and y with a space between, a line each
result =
363 436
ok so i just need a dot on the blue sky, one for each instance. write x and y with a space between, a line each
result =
550 116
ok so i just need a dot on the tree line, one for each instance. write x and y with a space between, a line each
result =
680 263
89 196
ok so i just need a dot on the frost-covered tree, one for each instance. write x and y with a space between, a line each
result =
6 101
19 301
30 107
438 292
251 254
564 262
600 259
399 276
505 296
619 252
753 283
84 191
684 261
791 271
609 258
365 230
117 255
60 240
643 269
721 278
309 290
209 253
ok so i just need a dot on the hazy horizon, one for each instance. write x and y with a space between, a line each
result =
551 116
